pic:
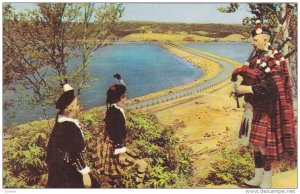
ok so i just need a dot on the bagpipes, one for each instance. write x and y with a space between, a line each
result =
263 65
250 73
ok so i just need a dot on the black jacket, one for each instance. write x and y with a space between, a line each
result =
115 126
65 156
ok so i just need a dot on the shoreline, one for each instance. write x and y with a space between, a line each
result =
208 68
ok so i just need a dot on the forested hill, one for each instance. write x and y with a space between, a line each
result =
209 30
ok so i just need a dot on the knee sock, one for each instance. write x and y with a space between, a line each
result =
259 160
267 165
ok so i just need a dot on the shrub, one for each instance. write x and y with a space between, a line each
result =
235 167
24 155
188 39
158 144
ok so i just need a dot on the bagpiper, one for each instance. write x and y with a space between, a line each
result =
268 122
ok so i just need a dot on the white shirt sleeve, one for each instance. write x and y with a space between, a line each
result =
120 151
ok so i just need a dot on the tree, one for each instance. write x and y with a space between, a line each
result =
271 14
97 25
39 43
22 61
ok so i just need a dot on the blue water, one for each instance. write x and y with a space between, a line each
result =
145 68
238 51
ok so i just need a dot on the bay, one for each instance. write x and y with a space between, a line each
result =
238 51
145 68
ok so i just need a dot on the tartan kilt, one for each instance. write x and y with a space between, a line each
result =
263 135
106 162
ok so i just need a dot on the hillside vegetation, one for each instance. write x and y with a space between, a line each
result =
170 163
207 30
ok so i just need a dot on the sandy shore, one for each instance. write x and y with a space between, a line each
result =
209 68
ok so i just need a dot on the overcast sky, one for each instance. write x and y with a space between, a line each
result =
173 12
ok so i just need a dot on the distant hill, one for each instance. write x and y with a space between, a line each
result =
179 37
208 30
182 37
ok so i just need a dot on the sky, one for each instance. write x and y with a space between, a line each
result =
173 12
183 12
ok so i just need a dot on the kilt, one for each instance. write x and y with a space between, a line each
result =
263 135
106 162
